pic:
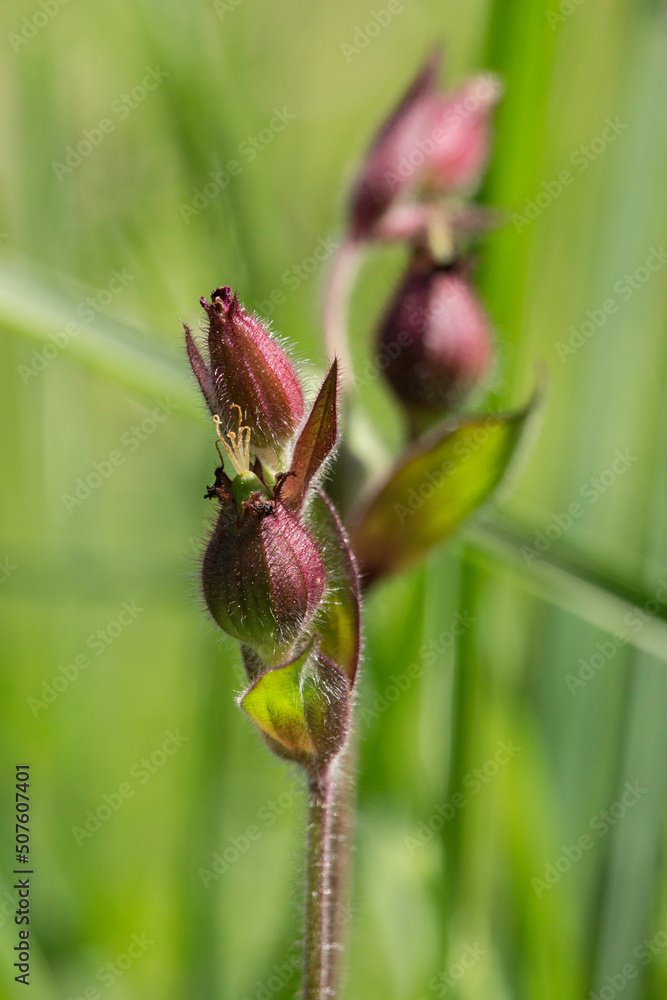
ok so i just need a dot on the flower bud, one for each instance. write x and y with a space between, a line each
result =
434 141
388 170
246 368
460 127
263 577
435 339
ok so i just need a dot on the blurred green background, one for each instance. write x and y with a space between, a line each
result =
451 899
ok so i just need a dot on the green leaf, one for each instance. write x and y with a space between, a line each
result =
301 708
442 479
315 443
339 619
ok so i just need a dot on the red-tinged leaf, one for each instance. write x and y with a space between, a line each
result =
315 443
202 372
442 479
338 622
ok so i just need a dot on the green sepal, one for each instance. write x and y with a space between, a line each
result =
301 708
338 622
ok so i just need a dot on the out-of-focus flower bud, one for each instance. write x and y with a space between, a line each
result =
246 368
437 141
387 172
460 129
435 339
263 577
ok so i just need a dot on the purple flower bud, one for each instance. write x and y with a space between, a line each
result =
435 337
263 577
246 368
386 172
432 140
461 135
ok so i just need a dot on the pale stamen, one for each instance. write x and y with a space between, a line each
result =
239 449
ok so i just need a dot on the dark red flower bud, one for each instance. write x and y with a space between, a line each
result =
435 339
386 172
263 577
249 369
460 129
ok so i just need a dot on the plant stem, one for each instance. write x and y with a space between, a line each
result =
342 820
330 819
316 954
336 302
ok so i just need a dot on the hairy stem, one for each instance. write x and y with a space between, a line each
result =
330 820
342 821
317 954
336 302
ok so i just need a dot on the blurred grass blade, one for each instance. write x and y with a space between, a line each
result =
34 306
569 581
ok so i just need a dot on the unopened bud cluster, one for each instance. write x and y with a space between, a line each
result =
263 576
428 157
273 573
